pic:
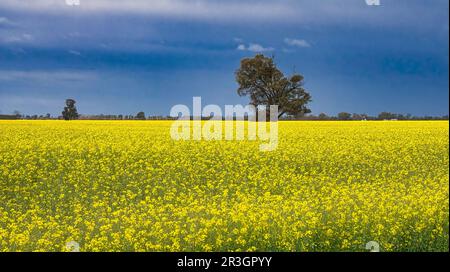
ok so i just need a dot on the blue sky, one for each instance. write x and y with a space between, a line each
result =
121 57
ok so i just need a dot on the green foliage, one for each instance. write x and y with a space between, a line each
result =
70 111
140 116
344 116
260 79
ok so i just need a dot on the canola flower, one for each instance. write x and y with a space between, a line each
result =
127 186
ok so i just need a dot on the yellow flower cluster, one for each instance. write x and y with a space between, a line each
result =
127 186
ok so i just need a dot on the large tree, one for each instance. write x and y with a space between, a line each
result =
259 78
70 111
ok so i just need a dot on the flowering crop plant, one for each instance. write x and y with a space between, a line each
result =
128 186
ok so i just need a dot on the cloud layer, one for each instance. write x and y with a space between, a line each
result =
389 13
211 9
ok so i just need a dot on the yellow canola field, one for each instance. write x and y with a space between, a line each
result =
127 186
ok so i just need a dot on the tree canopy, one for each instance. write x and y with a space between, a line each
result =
70 111
261 80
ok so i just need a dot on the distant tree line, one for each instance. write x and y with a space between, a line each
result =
18 116
345 116
139 116
70 113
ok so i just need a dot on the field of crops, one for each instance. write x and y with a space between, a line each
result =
127 186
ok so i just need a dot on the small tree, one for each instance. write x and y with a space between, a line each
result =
17 114
140 116
344 116
357 117
387 116
323 116
70 111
